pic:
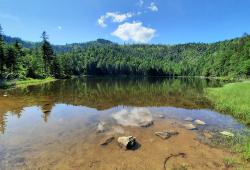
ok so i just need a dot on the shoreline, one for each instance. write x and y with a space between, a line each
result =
5 85
233 99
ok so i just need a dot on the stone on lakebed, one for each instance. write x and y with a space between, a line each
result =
107 140
190 126
199 122
146 123
127 142
226 133
166 134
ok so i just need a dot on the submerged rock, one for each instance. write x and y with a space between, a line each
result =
166 134
226 133
107 140
100 127
127 142
146 123
189 119
190 126
199 122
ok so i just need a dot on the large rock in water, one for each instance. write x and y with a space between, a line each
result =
127 142
166 134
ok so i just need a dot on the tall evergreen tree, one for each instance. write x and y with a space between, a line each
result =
47 52
2 57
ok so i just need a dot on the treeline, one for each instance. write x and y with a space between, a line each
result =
226 58
17 62
102 57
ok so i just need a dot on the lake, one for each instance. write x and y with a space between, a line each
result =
60 125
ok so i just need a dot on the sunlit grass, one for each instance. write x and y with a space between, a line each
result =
233 98
30 81
23 83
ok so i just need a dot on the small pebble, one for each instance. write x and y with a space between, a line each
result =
228 134
190 126
166 134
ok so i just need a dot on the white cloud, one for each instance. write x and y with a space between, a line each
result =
134 31
101 21
59 27
153 7
115 17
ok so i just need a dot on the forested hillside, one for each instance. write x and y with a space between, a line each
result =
20 59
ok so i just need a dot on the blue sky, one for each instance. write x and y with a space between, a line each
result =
131 21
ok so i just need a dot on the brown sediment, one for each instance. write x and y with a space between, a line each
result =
172 155
78 152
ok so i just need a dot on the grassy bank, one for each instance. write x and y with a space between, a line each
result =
234 98
24 83
28 82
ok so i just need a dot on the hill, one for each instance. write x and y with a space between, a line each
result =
229 58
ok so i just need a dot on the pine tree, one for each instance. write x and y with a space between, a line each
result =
2 56
47 52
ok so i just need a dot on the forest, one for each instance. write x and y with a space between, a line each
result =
20 59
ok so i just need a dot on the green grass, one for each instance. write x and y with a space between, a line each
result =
30 81
233 98
24 83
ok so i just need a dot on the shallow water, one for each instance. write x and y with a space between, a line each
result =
53 126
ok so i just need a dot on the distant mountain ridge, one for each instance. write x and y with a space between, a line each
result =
26 44
58 48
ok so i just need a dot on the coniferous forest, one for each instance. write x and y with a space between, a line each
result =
20 59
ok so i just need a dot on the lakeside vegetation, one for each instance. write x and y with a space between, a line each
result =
25 82
230 58
232 98
30 81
